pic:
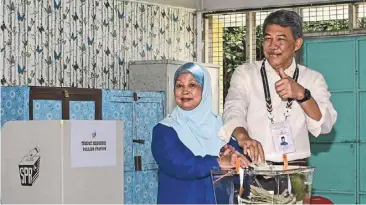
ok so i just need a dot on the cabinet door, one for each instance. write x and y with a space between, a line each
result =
14 103
55 103
118 105
128 187
145 185
82 110
46 109
140 112
148 111
46 103
140 187
84 103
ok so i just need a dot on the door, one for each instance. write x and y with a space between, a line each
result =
145 187
148 111
140 112
336 155
118 105
361 47
128 187
140 187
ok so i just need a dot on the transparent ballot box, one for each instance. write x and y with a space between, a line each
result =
263 185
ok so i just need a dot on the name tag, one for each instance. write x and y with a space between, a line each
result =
282 137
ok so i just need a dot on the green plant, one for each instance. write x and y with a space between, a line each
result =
234 52
362 22
326 26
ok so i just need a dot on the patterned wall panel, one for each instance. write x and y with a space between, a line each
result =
14 104
88 43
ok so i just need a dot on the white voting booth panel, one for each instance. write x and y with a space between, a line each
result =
62 162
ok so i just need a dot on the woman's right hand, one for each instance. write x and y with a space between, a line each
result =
229 161
226 149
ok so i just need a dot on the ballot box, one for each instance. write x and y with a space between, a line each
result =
57 162
264 185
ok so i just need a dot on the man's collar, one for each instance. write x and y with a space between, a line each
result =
289 71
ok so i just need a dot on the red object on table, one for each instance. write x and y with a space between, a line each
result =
320 200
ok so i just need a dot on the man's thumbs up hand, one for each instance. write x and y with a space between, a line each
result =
282 73
288 88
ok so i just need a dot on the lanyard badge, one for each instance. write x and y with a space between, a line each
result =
281 131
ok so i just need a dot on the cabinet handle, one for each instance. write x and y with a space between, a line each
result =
138 163
135 97
66 93
139 141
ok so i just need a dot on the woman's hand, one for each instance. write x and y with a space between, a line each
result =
228 161
226 149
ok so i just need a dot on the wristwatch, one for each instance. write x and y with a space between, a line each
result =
307 96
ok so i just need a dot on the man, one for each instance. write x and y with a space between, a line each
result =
277 97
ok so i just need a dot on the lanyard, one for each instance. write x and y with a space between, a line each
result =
267 94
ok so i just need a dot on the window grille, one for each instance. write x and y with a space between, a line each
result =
361 15
260 16
225 46
325 18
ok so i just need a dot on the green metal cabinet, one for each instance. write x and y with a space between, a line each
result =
340 155
362 117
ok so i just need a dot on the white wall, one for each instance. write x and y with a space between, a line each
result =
255 4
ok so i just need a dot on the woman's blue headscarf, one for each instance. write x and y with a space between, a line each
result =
198 128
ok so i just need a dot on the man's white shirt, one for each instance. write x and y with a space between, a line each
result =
245 106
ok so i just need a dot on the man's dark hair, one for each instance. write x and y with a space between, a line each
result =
285 18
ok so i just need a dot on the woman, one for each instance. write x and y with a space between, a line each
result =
186 145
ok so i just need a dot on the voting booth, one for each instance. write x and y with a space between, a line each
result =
55 162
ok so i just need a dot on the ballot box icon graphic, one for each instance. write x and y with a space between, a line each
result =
29 167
